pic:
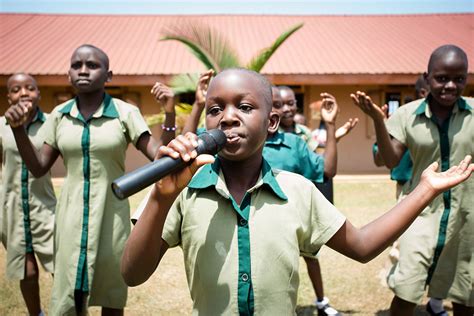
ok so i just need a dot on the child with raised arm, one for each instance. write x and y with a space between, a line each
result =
27 202
242 225
437 250
91 132
289 152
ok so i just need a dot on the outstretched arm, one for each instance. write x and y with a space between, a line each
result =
366 243
146 143
378 159
329 111
192 122
390 149
38 162
145 247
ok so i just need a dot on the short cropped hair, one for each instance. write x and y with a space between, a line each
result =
443 51
102 55
266 85
20 74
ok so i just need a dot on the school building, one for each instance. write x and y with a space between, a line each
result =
382 55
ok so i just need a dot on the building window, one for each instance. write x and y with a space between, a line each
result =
393 100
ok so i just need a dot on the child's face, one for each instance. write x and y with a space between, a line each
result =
288 109
23 89
88 71
277 104
234 105
447 79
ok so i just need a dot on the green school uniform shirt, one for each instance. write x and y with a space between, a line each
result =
450 272
28 203
244 259
304 133
92 225
289 152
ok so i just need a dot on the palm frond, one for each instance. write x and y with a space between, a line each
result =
184 83
264 55
210 47
182 112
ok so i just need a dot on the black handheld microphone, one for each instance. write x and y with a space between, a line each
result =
209 142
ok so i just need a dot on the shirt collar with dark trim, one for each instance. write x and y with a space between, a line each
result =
210 174
277 139
39 116
423 108
107 108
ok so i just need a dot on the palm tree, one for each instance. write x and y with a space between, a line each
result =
215 51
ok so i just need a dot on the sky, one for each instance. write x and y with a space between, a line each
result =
297 7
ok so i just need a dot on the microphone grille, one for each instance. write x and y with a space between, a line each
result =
212 141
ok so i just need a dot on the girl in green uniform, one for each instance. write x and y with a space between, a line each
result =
91 133
27 202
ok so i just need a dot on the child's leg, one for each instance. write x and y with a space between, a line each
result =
29 285
322 302
111 311
462 310
401 307
314 272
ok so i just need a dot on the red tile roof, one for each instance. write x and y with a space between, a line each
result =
388 44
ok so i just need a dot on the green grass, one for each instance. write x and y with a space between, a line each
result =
353 288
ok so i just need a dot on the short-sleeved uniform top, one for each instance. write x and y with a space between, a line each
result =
305 133
28 203
245 258
450 268
92 225
289 152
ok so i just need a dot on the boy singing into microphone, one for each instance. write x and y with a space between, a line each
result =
242 225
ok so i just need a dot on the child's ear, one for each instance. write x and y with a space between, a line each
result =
274 120
109 76
424 92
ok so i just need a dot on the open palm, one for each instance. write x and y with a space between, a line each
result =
364 102
442 181
329 108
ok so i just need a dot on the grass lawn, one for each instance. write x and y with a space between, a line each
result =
354 288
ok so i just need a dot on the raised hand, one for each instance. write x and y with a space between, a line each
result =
182 146
329 108
385 111
164 95
442 181
17 114
202 86
364 102
346 128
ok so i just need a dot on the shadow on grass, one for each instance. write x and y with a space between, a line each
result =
420 310
310 310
